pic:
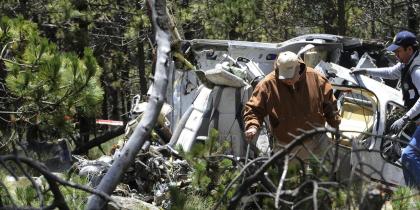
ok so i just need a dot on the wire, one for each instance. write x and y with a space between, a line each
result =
363 106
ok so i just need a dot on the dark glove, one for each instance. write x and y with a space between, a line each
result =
399 124
358 71
392 151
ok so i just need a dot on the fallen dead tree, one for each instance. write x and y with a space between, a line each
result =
155 103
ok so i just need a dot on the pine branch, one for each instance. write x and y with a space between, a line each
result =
16 63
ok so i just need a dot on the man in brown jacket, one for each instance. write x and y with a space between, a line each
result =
293 96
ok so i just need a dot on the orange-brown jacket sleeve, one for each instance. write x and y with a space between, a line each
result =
255 108
330 104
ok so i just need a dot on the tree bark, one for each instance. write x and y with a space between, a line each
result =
412 20
82 41
329 17
372 22
125 89
392 15
342 17
141 67
156 100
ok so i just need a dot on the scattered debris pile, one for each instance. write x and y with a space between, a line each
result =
147 179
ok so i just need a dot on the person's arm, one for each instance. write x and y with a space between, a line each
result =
255 111
415 110
330 105
392 72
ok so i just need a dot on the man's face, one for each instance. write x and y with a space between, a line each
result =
292 80
404 54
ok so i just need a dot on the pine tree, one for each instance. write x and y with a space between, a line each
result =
48 86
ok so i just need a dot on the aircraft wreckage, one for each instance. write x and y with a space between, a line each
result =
213 94
366 104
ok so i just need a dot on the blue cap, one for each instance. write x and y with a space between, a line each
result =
403 38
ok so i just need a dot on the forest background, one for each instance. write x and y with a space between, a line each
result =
66 63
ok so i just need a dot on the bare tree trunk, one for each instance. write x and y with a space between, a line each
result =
341 17
104 85
372 29
372 21
329 17
142 131
140 61
113 98
412 20
125 89
141 67
392 16
82 41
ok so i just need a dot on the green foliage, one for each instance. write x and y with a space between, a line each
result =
273 21
211 173
340 199
61 10
237 19
75 199
24 194
206 172
96 152
114 30
49 84
405 198
181 200
178 198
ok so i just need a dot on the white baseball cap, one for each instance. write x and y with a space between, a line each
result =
287 64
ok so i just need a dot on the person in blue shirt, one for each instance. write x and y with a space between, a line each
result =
405 47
